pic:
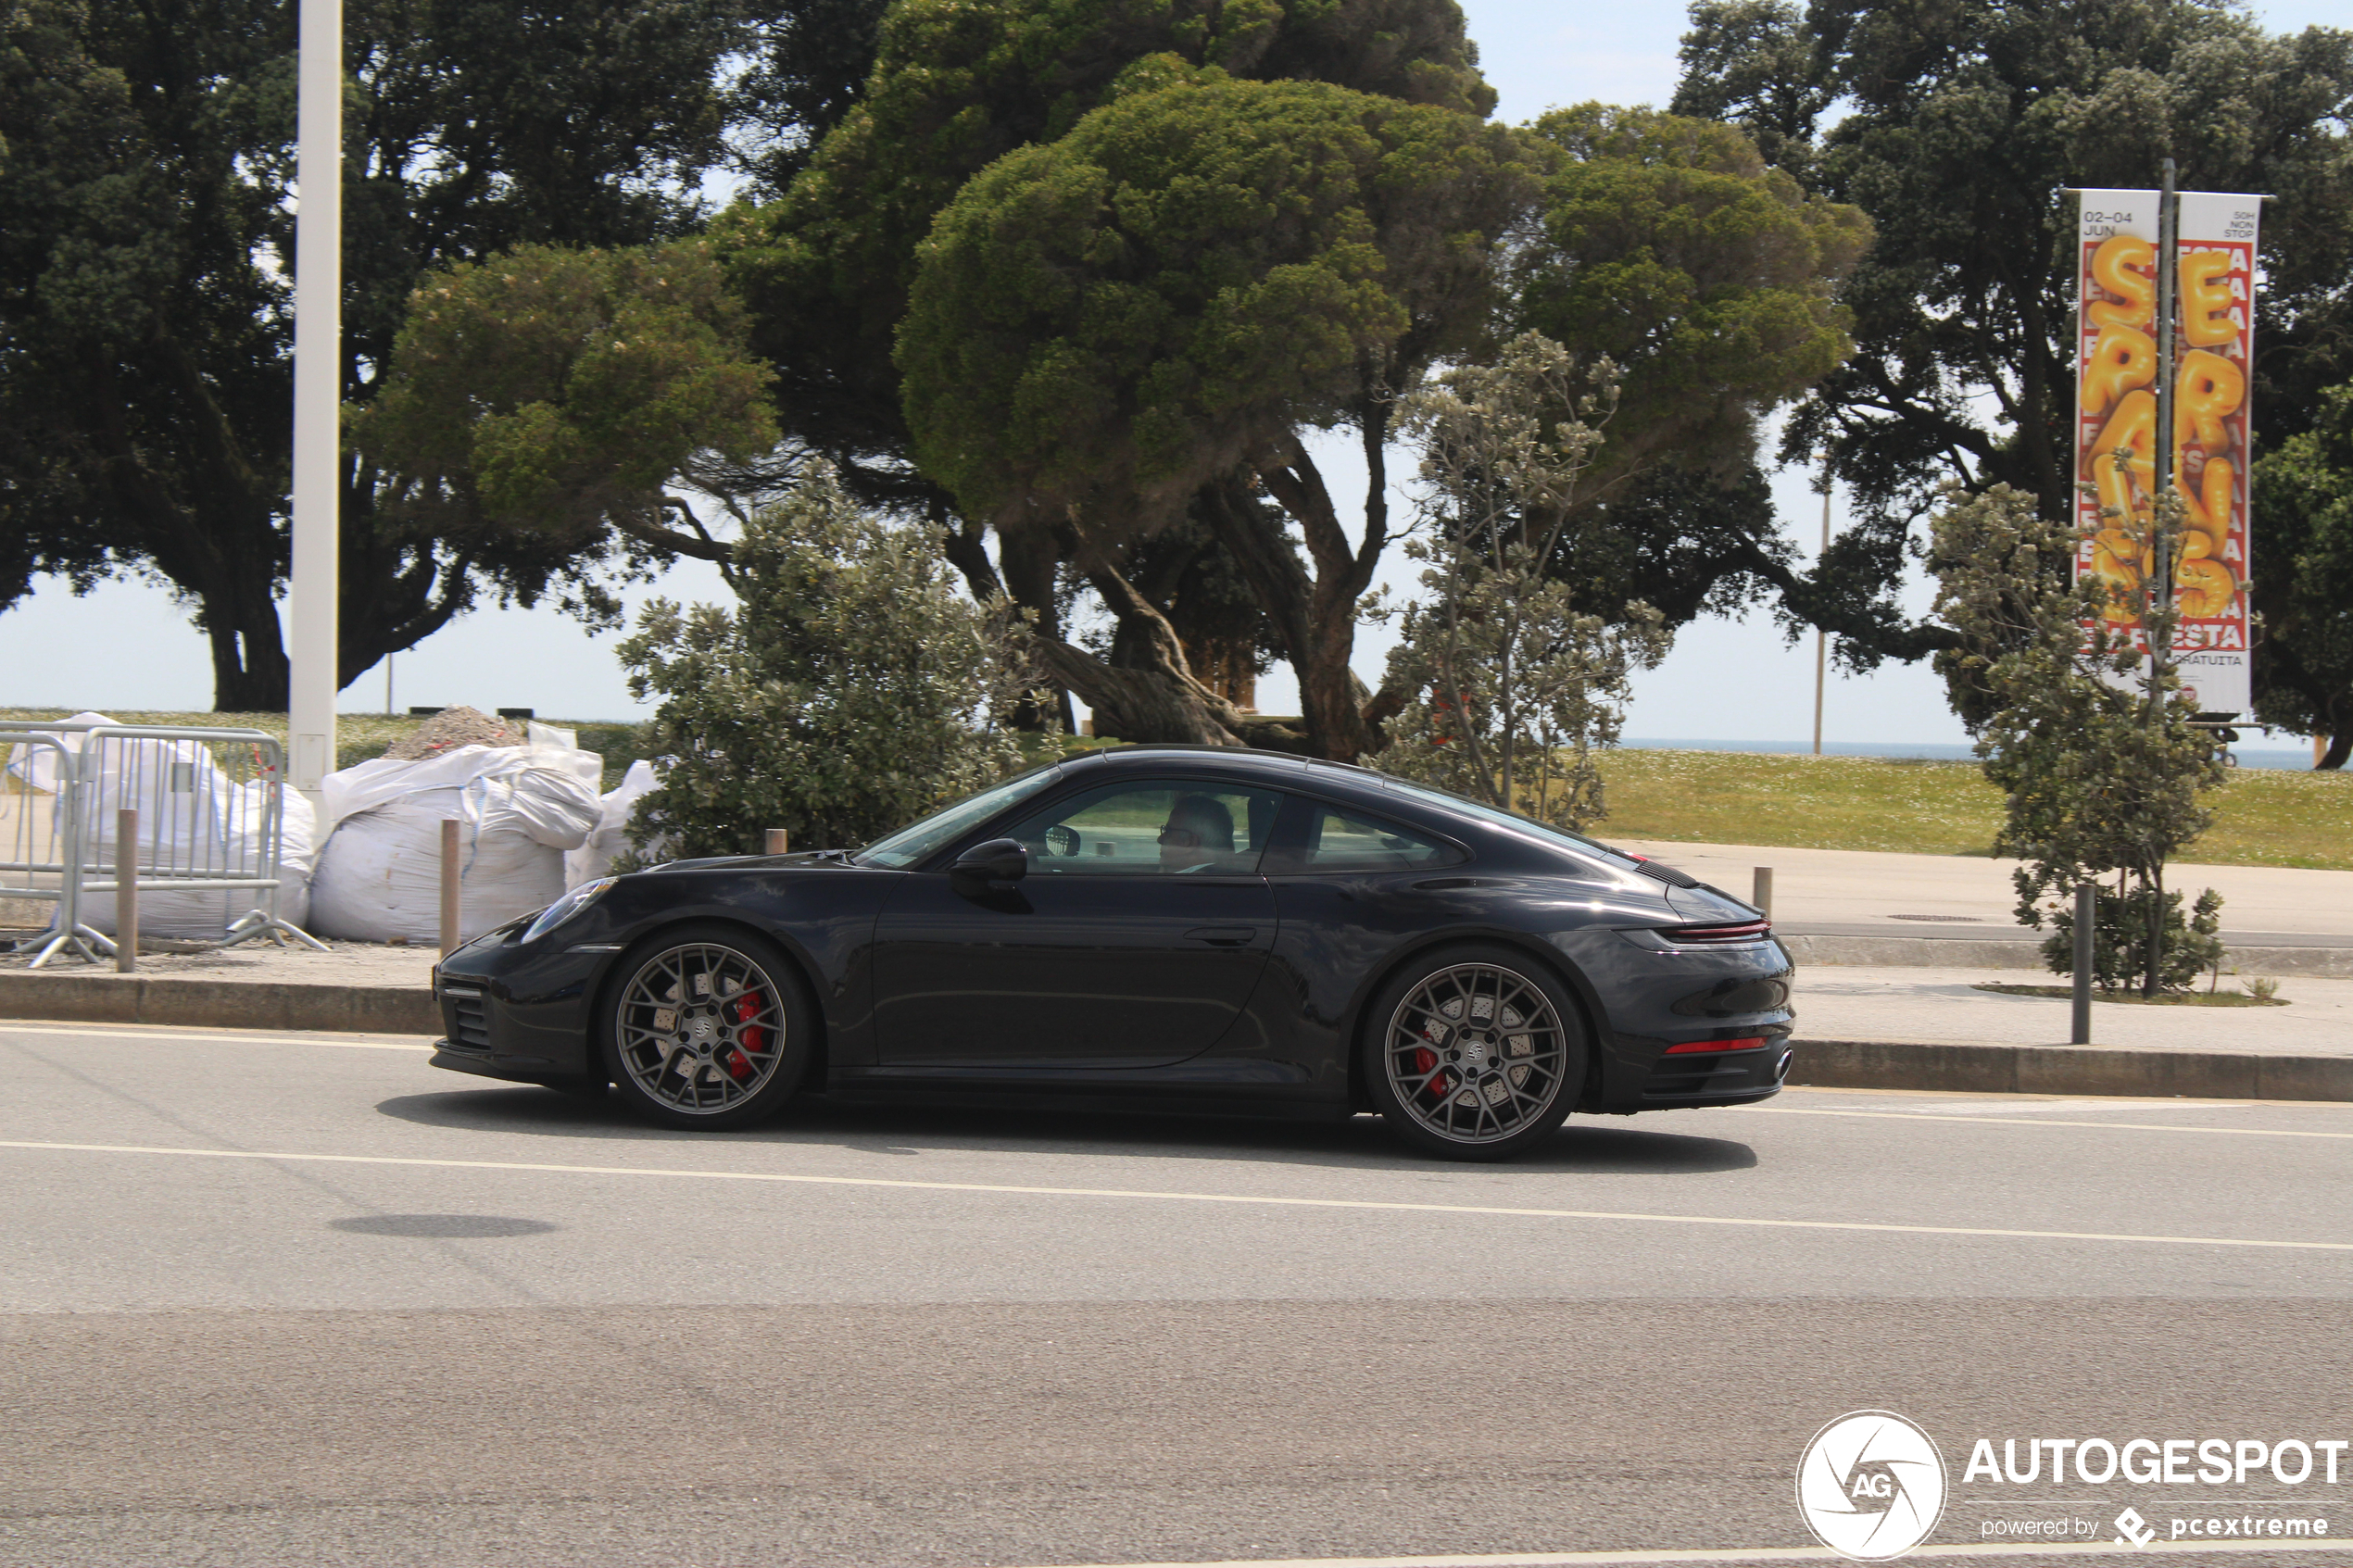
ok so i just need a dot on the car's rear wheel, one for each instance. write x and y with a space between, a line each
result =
1474 1052
707 1028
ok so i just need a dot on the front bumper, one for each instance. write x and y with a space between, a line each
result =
517 1013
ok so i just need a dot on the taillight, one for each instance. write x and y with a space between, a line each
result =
1702 935
1693 1047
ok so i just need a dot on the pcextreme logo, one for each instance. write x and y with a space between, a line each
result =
1870 1486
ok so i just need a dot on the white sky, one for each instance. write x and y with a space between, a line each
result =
128 646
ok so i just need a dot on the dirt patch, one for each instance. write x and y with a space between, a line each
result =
2170 998
448 730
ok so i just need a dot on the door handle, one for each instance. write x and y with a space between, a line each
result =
1222 936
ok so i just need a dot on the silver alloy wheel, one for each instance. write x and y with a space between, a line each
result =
700 1028
1475 1053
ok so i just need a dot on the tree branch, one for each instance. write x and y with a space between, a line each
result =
699 544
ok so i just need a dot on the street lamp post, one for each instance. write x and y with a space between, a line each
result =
1821 638
317 394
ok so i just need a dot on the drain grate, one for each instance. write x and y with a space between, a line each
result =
1973 920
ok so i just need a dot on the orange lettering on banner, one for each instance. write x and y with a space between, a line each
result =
2205 589
2209 507
2124 457
2123 264
2124 358
2207 389
2206 289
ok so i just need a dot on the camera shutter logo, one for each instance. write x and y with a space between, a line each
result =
1872 1485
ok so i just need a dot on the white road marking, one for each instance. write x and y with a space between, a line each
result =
2039 1121
2021 1105
202 1037
1149 1194
1760 1554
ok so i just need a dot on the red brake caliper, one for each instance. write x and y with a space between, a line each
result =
754 1040
1425 1063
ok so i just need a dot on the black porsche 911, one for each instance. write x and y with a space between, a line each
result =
1152 928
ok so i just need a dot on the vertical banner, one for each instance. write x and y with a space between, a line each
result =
2115 403
2212 356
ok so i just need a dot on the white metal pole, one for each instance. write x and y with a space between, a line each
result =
311 618
1821 638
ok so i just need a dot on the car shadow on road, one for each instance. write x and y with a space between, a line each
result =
1583 1143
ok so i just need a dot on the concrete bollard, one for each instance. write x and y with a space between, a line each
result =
126 891
449 905
2086 913
1762 896
779 841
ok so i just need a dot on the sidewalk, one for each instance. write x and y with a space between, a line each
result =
1853 907
256 986
1858 1002
1861 1027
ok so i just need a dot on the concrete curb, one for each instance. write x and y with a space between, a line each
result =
218 1004
1993 952
2068 1070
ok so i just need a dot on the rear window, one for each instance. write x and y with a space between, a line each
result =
1340 840
1578 841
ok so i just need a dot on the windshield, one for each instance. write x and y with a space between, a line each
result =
1508 819
910 844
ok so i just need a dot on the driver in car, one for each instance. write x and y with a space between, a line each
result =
1199 834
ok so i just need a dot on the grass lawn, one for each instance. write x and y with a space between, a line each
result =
2263 817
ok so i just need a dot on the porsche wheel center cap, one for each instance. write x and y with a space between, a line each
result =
701 1031
1474 1055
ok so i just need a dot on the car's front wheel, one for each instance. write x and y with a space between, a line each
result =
1474 1052
707 1028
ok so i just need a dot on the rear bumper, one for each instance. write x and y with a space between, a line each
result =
1718 1077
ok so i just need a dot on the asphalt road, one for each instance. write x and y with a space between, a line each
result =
300 1299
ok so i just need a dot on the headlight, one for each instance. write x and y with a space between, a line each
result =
566 906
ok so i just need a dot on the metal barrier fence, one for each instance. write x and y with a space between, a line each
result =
211 831
35 829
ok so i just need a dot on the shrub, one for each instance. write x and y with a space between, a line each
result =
852 690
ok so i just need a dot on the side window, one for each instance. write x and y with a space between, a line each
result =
1345 841
1161 828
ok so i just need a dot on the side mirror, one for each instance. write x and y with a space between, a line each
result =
999 860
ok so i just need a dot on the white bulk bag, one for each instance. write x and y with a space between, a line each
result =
595 858
519 809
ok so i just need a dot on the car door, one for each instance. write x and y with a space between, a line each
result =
1134 940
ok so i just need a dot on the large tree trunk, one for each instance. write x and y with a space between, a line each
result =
1032 558
1316 618
250 672
1151 693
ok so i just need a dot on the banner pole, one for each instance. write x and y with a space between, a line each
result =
2160 588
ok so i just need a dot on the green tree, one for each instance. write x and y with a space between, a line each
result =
2304 578
1670 247
538 399
2102 773
1959 127
828 268
1513 690
812 68
1165 299
851 689
145 242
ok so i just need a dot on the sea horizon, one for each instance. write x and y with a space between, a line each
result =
2273 756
